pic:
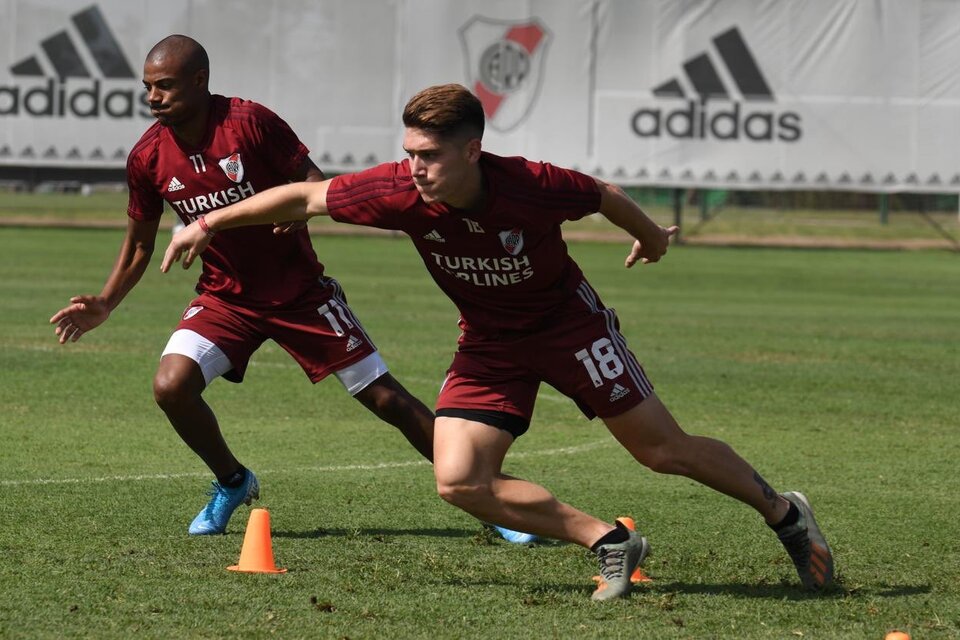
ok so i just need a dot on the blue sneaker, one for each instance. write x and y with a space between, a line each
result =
223 502
516 537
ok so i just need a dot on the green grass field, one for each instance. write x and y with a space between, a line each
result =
727 225
835 373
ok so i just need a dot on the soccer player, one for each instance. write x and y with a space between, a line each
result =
488 231
204 152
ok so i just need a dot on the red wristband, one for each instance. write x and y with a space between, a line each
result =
206 228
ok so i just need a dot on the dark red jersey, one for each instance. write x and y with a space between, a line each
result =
247 149
506 268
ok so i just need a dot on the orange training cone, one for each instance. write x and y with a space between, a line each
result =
256 556
638 574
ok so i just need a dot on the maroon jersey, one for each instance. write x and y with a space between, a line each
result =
506 268
247 149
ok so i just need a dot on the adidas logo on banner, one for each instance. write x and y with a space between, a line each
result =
175 185
70 61
703 84
353 343
705 80
64 57
435 236
618 392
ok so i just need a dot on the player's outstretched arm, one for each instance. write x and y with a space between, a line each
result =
85 313
306 172
294 201
651 240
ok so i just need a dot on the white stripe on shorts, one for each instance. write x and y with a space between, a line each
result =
342 301
635 371
620 344
588 295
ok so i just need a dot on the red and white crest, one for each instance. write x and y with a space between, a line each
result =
512 240
504 67
233 167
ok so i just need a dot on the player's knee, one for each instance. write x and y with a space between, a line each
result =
383 400
668 458
169 391
388 405
465 495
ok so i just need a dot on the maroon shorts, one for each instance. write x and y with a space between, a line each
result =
319 330
583 355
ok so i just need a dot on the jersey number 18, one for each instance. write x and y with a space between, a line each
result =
604 360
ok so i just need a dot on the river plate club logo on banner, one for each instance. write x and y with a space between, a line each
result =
504 67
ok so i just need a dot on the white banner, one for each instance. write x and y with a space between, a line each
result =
728 94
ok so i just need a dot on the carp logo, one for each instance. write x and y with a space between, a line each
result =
504 67
191 311
233 167
512 240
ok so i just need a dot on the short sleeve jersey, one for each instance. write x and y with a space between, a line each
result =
247 149
506 267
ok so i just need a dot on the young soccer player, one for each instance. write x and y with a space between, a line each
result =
488 231
204 152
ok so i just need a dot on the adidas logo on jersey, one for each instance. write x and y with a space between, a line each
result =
618 392
435 236
175 185
353 343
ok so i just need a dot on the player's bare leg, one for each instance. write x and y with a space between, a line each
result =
467 467
468 463
650 433
178 387
386 398
654 438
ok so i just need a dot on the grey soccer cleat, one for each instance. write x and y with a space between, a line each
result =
617 563
806 545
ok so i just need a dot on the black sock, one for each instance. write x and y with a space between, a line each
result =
618 535
235 479
793 514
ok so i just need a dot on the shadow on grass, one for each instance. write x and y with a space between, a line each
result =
480 537
788 591
659 590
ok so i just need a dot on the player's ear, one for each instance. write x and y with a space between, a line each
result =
472 150
201 78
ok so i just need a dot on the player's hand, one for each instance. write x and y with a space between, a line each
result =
651 248
288 227
188 243
85 313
